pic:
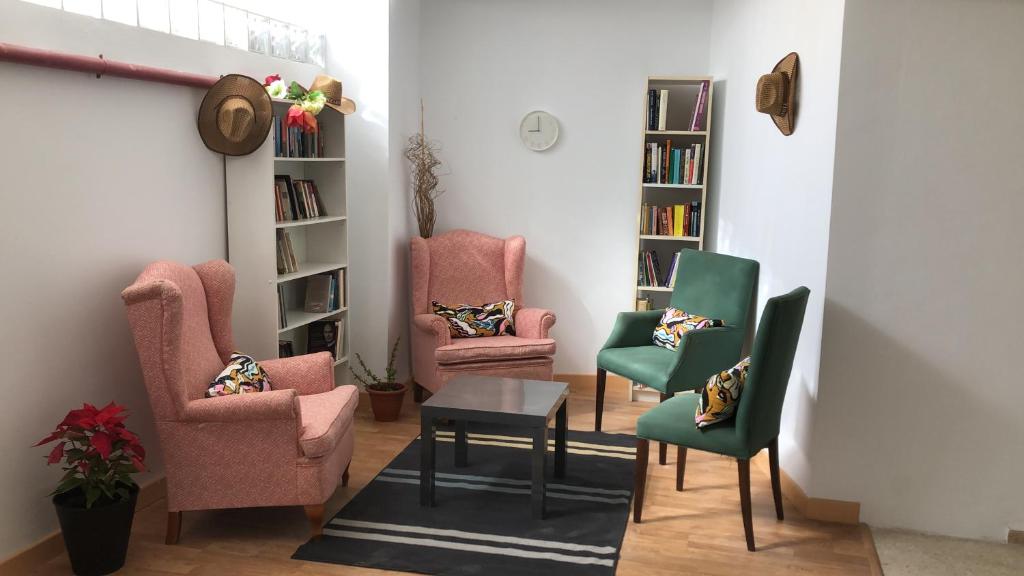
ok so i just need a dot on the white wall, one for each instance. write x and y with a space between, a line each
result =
770 194
920 413
101 177
484 65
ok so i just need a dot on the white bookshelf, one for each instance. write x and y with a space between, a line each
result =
320 244
682 99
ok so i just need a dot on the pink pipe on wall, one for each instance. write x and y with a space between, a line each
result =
101 66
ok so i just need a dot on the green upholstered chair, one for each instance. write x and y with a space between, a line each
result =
711 285
756 423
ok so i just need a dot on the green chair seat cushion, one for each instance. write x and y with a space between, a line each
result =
649 365
672 421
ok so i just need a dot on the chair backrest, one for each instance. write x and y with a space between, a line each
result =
464 267
180 318
715 286
771 361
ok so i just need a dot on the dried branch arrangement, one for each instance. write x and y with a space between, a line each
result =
421 153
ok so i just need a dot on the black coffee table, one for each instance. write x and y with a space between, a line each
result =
526 403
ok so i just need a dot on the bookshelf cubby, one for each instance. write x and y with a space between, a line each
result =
319 244
678 132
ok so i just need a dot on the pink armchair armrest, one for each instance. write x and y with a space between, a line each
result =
534 322
272 405
307 374
433 324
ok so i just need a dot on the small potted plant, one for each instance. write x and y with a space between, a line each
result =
95 499
386 395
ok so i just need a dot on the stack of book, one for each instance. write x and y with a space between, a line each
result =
286 262
649 270
292 142
326 336
324 292
296 199
664 164
282 309
676 220
657 109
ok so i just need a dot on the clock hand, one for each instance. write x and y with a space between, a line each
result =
538 125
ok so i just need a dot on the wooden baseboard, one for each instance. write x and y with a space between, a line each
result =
615 386
823 509
1015 537
52 545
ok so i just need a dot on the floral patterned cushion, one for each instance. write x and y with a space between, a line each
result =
242 375
674 323
721 394
466 321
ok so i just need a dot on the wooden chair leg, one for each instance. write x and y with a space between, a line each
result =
315 514
173 528
748 523
344 475
417 393
602 377
663 447
640 478
680 467
773 465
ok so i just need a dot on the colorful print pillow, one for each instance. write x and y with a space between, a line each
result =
721 394
466 321
242 375
674 323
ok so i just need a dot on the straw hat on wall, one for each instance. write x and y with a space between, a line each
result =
235 116
776 93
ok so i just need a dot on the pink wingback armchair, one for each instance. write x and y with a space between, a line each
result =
463 267
288 446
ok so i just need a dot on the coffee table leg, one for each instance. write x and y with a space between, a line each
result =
461 445
426 461
561 429
540 448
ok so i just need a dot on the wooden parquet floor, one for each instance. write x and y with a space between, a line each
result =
694 532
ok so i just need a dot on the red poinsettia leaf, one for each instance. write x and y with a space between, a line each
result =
137 462
101 441
110 415
53 436
139 450
56 454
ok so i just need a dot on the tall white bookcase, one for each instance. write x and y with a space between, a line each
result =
682 98
320 244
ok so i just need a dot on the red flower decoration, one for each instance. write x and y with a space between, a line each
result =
271 79
299 117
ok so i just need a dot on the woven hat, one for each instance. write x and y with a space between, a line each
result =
776 93
331 87
235 116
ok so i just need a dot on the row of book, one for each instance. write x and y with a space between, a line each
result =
324 293
296 199
286 261
649 270
657 108
675 220
321 336
664 164
292 142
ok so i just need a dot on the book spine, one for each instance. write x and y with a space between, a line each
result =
663 110
651 105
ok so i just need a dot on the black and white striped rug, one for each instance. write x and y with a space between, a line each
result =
482 523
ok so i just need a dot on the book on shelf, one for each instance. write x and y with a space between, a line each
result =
282 310
296 199
285 349
665 164
657 109
326 336
286 261
324 292
292 142
676 220
700 106
650 273
643 303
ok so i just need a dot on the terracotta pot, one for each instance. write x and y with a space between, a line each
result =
387 404
96 538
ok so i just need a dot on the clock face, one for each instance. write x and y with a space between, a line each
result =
538 130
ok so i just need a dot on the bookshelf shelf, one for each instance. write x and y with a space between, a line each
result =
309 221
673 185
298 318
675 238
279 261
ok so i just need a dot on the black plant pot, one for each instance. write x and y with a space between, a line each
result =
96 538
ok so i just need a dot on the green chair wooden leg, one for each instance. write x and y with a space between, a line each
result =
748 522
680 467
773 465
640 478
602 376
663 447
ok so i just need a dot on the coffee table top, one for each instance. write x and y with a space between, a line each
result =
513 398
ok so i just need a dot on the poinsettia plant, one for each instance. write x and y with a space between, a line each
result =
99 454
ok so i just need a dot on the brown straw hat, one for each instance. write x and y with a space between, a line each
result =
235 116
776 93
331 87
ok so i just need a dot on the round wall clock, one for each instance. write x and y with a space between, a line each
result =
538 130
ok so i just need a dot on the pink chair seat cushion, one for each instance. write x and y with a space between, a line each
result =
493 348
325 419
